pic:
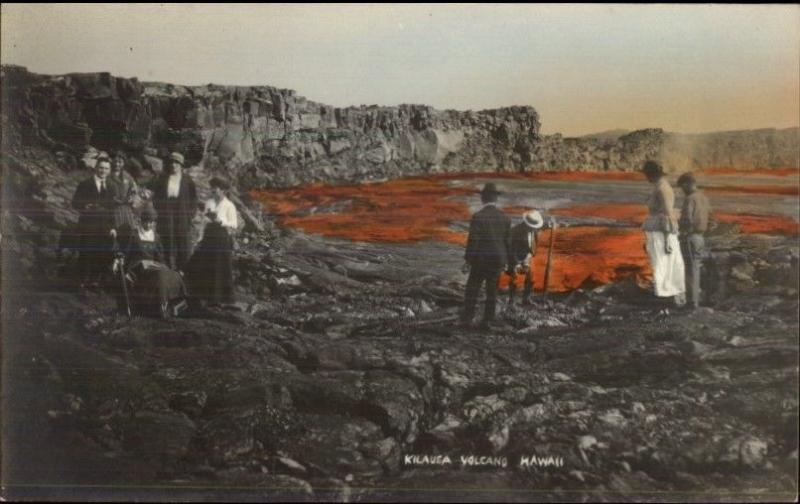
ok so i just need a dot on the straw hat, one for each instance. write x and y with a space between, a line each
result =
533 219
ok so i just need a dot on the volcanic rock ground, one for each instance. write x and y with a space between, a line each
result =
342 358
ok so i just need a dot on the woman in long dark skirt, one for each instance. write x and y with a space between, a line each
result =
210 270
153 285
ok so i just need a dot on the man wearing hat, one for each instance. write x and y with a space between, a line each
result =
486 255
693 224
522 250
175 199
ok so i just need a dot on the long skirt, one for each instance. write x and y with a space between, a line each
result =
210 270
668 269
124 218
154 284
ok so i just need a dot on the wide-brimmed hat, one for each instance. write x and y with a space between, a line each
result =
686 178
533 219
176 156
490 189
148 214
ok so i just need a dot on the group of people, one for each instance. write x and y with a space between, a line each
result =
147 235
675 246
494 246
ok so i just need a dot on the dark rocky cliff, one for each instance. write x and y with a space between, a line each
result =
265 136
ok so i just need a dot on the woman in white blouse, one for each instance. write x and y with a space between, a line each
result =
210 271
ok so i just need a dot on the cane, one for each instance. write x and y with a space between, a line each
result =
125 288
549 257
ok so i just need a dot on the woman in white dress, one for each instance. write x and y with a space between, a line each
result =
210 270
661 237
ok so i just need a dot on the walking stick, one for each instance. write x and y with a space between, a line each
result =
121 260
125 288
549 258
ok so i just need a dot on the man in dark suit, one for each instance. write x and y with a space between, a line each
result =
523 249
175 200
486 255
93 200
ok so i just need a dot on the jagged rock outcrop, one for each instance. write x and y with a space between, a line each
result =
263 135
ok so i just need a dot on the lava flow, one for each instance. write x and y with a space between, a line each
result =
587 256
399 211
418 209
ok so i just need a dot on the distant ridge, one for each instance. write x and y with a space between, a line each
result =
613 134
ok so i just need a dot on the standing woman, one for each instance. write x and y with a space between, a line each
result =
124 191
175 199
211 266
661 237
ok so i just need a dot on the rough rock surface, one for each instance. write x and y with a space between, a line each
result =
265 136
335 364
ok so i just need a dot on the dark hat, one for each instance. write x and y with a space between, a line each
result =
176 156
490 189
686 178
119 153
220 183
148 214
652 168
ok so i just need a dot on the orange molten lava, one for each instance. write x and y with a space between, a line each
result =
588 257
398 211
767 224
775 172
418 209
626 212
566 176
635 215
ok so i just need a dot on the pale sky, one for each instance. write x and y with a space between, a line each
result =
585 68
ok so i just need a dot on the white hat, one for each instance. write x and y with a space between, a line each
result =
533 219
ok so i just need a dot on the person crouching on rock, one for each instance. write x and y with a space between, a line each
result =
693 224
522 250
486 255
661 237
210 270
154 286
95 230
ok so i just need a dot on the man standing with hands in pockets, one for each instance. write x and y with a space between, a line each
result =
486 255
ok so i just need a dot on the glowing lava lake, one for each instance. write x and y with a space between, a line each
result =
598 239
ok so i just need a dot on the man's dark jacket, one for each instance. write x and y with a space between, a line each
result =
95 219
488 241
